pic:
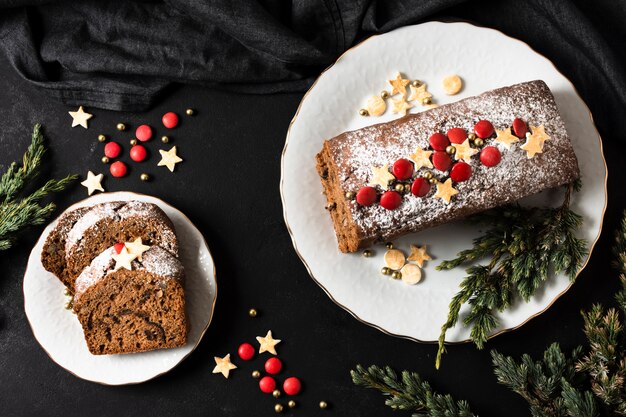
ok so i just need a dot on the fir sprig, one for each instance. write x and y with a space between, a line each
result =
18 213
523 245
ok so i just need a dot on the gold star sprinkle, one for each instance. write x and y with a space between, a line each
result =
464 151
421 158
268 343
223 365
123 259
419 255
399 85
419 93
534 141
93 182
400 106
381 176
445 191
506 138
169 158
136 247
80 117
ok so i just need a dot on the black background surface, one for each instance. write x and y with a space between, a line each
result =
228 185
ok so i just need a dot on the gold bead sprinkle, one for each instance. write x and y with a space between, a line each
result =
389 245
256 374
350 195
190 112
384 94
478 142
144 177
276 393
102 138
323 405
471 136
105 160
396 275
368 253
427 101
133 142
252 312
399 188
278 408
432 180
121 126
165 139
428 175
450 150
385 271
364 112
416 83
407 188
292 404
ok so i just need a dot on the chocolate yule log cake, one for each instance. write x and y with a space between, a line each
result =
430 168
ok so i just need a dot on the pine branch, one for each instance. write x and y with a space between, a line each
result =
523 246
409 392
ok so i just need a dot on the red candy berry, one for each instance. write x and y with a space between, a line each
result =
390 200
402 169
267 384
457 135
273 366
438 141
292 386
441 161
461 171
112 150
420 187
118 169
246 351
490 156
366 196
170 120
483 129
118 247
138 153
519 128
144 133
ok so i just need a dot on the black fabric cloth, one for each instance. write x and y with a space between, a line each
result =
120 55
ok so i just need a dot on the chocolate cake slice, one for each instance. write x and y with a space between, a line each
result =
108 223
136 310
443 164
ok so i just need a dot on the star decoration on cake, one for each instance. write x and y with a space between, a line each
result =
419 255
123 259
223 365
464 151
80 117
421 158
93 182
136 247
505 137
400 106
381 176
268 343
399 85
419 93
445 191
169 158
534 141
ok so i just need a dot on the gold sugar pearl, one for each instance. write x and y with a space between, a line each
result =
471 136
105 160
396 275
432 180
323 405
350 195
407 188
102 138
416 83
144 177
121 126
190 112
364 112
427 101
428 175
276 393
256 374
367 253
385 271
292 404
478 142
278 408
384 94
389 245
450 150
399 188
252 312
133 142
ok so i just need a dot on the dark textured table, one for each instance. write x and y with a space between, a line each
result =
228 186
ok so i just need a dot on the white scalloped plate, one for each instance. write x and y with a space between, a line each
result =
59 333
485 59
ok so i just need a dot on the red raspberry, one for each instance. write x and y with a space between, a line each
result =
118 169
441 160
366 196
390 200
438 141
461 171
292 386
112 150
490 156
170 120
143 133
273 366
457 135
483 129
267 384
519 128
246 351
118 247
420 187
402 169
138 153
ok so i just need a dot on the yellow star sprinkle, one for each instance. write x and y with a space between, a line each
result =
136 247
445 191
169 158
399 85
92 183
534 141
80 117
506 138
419 93
419 255
421 158
400 106
381 176
123 259
223 365
464 151
268 343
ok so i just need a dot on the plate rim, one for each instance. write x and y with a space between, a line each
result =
112 194
407 337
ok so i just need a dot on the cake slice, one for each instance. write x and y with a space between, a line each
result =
440 165
136 310
107 223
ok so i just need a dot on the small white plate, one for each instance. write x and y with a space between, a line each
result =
485 59
60 334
